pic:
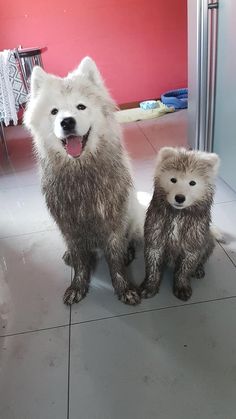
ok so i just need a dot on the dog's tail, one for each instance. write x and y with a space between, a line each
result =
136 214
217 234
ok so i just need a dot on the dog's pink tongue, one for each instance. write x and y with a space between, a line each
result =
74 146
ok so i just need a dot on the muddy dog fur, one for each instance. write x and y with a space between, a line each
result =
177 228
91 196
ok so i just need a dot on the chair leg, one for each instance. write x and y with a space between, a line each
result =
4 141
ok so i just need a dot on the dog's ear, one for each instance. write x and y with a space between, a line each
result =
88 68
212 161
38 78
166 153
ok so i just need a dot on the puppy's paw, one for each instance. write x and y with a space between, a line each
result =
199 273
130 297
183 292
67 258
73 295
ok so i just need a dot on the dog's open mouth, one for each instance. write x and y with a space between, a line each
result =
73 145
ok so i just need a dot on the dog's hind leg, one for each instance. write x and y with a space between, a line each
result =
114 253
200 272
82 263
67 258
130 253
94 259
136 215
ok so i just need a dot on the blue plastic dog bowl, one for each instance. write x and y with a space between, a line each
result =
176 98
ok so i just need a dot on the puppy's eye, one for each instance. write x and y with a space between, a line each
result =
173 180
192 183
81 107
54 111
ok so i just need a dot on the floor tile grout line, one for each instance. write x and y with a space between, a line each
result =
27 234
225 251
25 332
149 142
224 202
226 184
3 189
69 356
68 376
153 310
117 316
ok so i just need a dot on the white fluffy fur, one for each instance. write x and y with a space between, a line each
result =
65 94
82 86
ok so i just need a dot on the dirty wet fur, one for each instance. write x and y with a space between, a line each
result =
88 196
90 215
179 237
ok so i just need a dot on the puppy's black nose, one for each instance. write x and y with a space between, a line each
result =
68 124
180 198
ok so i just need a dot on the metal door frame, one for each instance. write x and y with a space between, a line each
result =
202 48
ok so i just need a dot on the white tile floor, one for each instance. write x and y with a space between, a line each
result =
103 360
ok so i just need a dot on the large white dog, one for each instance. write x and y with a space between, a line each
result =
86 177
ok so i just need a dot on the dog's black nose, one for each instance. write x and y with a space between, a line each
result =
180 198
68 124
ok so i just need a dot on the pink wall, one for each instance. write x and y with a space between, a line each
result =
140 46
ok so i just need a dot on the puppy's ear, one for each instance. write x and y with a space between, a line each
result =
88 68
215 162
166 153
38 78
212 161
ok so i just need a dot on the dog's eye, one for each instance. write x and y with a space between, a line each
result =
192 183
173 180
54 111
81 107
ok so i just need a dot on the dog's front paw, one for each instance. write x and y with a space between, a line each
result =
67 258
73 295
148 291
183 292
130 297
